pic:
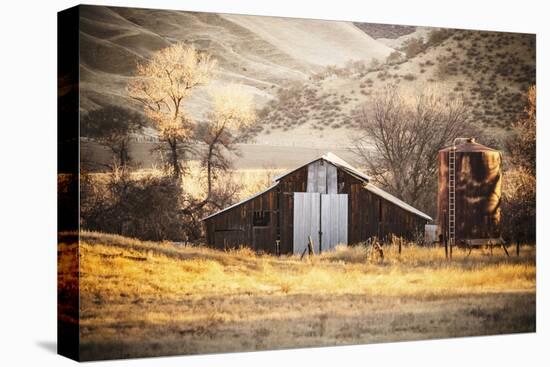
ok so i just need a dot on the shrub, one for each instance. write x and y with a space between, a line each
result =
145 207
445 68
383 75
437 36
394 58
374 65
413 46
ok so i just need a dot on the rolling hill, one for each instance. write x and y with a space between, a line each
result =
308 76
490 71
262 53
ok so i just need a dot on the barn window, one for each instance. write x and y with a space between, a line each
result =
260 218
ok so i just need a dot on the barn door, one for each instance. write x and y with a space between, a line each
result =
334 220
307 222
321 216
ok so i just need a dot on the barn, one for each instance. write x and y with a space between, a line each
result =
326 199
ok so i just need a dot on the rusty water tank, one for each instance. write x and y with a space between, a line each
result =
478 183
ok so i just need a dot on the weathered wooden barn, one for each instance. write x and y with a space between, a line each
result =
326 199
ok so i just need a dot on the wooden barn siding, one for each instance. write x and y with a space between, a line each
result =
364 209
363 216
365 221
235 225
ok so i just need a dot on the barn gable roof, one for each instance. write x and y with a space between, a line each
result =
345 166
335 160
400 203
241 202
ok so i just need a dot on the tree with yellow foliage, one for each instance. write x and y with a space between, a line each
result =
233 114
162 85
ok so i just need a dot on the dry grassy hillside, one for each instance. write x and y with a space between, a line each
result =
391 31
262 53
144 298
308 77
114 39
491 71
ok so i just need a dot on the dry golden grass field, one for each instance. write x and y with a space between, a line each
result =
147 299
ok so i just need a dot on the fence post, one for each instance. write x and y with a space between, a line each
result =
310 245
400 240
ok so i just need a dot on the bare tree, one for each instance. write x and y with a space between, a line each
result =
520 183
230 121
400 139
523 144
146 206
163 83
112 127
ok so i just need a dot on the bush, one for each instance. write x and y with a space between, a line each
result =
374 65
413 46
437 36
518 206
383 75
394 58
147 207
446 67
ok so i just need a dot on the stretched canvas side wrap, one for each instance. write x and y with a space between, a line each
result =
231 183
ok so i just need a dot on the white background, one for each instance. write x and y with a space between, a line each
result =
28 182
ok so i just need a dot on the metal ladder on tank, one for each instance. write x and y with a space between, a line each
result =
452 192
